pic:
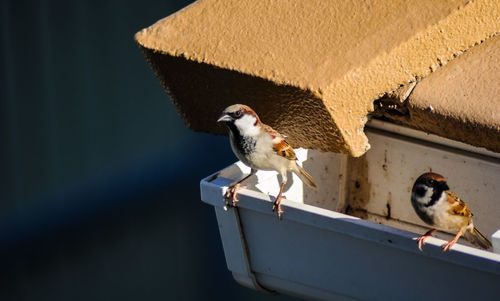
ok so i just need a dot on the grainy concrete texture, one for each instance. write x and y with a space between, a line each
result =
310 69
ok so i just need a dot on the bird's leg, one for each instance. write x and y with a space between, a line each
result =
449 244
235 186
277 202
421 239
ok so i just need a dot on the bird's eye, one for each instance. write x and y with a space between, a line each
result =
430 182
237 113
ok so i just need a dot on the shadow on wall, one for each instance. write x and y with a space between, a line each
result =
99 178
279 106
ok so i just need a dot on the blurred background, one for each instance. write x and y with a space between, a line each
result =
99 195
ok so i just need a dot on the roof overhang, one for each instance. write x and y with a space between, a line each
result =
313 69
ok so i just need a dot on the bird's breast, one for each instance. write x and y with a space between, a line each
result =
247 145
444 219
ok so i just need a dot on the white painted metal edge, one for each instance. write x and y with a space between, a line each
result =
495 240
233 238
348 225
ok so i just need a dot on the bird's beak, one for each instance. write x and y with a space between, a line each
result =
444 186
224 118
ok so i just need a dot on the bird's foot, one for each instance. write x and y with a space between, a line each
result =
277 206
421 239
448 245
231 194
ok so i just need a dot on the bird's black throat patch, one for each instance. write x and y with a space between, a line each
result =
435 197
420 191
244 143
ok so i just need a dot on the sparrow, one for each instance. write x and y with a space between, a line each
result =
437 206
261 148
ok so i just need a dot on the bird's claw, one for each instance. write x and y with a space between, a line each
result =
421 241
448 245
230 195
277 206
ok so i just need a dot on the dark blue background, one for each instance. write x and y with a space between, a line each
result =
99 176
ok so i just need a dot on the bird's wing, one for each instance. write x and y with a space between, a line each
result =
280 146
458 207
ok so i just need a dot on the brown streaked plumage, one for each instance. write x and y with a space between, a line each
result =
436 205
280 146
261 148
283 149
458 207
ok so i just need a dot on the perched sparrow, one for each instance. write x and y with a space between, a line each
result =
261 148
436 205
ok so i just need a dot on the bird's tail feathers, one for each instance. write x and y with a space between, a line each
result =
476 238
305 177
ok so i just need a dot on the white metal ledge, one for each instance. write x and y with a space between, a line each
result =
321 254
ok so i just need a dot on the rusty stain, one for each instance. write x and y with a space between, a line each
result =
388 205
359 188
361 213
384 166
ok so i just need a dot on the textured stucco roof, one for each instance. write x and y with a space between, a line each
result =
461 100
311 69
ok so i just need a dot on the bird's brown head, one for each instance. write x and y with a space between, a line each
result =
428 189
432 180
240 118
236 111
